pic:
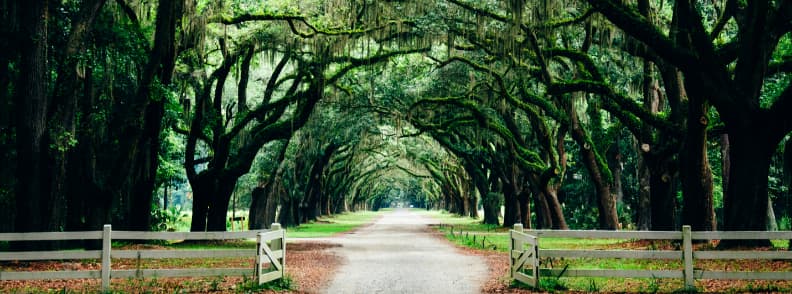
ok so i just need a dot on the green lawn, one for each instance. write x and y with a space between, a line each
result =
329 226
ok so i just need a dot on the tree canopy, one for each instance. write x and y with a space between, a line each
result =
656 113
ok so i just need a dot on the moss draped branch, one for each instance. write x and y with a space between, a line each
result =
622 104
293 19
641 28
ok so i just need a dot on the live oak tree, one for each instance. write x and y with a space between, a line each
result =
82 159
725 63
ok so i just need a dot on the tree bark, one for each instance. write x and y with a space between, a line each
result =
31 102
725 165
556 212
746 208
644 220
663 193
312 204
264 202
606 204
697 209
542 209
133 177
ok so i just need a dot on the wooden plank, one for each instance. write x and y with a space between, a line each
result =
520 262
744 235
525 238
159 254
271 276
632 254
51 236
49 275
273 260
591 234
176 273
517 253
525 279
607 273
50 255
135 235
744 275
272 235
742 254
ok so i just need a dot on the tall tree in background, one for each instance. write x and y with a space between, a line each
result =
31 102
705 57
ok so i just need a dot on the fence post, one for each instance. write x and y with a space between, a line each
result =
535 261
279 244
514 245
687 257
518 227
259 256
106 246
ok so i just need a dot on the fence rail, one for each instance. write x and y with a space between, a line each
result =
529 272
270 249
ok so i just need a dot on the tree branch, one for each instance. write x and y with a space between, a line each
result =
780 111
623 102
642 29
784 66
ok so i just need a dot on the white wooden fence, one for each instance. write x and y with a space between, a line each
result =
271 248
525 253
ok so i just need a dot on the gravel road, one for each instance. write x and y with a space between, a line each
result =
397 255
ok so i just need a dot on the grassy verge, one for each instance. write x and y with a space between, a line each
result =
469 232
329 226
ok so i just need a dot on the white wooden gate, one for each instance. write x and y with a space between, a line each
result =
523 257
271 248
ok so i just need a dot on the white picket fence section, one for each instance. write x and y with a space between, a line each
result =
271 249
525 254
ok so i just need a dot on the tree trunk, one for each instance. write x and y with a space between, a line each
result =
663 194
725 165
473 199
511 214
644 220
606 204
7 156
491 207
218 206
211 196
523 198
542 208
787 182
745 206
772 225
133 176
265 199
31 104
313 203
289 215
258 202
556 212
697 209
144 169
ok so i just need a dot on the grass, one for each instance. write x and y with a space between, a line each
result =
329 226
463 230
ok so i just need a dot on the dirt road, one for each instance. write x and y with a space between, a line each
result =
397 255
